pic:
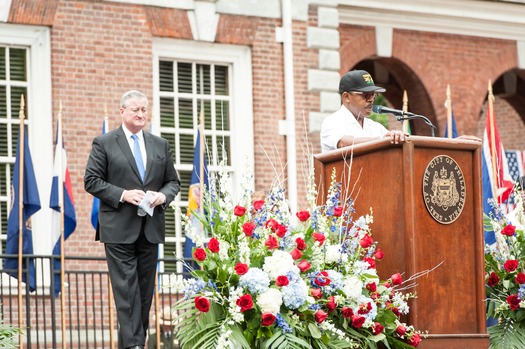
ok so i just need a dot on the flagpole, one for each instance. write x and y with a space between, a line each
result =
21 162
495 182
201 165
449 113
60 181
110 293
405 108
156 306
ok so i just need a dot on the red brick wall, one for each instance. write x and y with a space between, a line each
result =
98 51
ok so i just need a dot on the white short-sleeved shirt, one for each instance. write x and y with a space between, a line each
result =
342 123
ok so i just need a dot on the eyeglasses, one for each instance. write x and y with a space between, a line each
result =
366 95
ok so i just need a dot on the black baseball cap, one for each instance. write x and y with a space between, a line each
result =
358 80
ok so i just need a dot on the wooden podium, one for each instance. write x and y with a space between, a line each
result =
428 213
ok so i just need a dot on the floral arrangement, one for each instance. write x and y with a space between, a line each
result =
505 278
270 279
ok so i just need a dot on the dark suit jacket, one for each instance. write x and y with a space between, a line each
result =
111 169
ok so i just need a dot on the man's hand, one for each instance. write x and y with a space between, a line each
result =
134 196
396 136
158 198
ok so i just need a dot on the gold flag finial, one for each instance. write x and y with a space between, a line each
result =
21 114
406 124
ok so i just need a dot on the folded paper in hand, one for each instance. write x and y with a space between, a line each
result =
146 202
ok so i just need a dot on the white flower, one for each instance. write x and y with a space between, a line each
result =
270 301
279 263
333 255
353 287
223 251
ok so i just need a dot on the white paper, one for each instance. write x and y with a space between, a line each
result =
146 202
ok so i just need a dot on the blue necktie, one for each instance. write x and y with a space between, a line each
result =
138 156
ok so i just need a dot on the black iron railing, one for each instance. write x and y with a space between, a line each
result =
90 318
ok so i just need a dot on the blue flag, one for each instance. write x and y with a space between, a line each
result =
193 196
96 201
31 204
57 193
454 130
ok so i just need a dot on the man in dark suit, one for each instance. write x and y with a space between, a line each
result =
123 166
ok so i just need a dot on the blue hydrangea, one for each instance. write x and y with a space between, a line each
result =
281 323
293 277
336 281
294 295
521 292
256 280
193 288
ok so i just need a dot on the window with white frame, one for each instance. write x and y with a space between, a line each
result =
25 69
210 84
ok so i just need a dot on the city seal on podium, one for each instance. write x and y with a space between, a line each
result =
444 189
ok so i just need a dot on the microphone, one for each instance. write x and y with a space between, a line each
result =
379 109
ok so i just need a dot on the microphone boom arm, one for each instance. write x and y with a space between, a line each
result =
416 116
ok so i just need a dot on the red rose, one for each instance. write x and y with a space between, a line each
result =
213 245
316 293
281 230
520 278
396 311
272 224
374 295
514 301
358 321
199 254
364 308
322 279
271 243
320 316
303 266
303 215
371 262
331 305
301 245
241 268
379 254
377 328
347 312
239 211
258 204
401 330
248 228
397 279
338 211
511 265
493 279
366 241
268 319
245 302
509 230
202 304
371 286
282 280
414 340
319 237
296 254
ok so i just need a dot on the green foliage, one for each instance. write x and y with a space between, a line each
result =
381 118
8 335
508 334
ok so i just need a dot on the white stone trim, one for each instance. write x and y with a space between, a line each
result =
384 37
323 80
322 38
460 17
521 54
5 6
181 4
328 17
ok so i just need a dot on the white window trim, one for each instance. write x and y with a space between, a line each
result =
38 40
240 58
242 147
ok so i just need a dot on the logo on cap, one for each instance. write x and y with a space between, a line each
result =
368 78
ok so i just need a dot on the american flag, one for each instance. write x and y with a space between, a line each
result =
515 161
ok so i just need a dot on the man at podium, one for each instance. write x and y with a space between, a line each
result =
350 124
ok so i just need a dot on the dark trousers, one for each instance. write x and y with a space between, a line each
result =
132 269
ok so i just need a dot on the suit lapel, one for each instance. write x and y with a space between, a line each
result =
126 150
